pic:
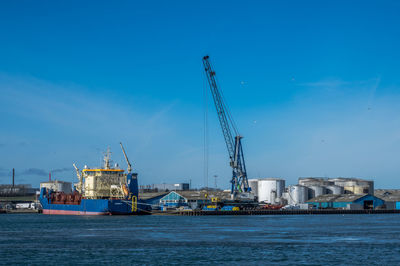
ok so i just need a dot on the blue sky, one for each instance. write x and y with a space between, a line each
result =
313 86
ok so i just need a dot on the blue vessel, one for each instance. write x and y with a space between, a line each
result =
100 191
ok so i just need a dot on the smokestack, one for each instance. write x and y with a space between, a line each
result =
49 176
13 180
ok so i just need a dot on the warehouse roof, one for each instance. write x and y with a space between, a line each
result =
189 194
388 194
337 198
197 195
201 195
150 195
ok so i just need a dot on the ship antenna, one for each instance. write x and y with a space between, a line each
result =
126 158
107 157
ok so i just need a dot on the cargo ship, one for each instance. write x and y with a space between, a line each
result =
100 191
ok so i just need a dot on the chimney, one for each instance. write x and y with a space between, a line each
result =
13 179
49 176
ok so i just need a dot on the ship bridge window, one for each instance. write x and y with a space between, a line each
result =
109 172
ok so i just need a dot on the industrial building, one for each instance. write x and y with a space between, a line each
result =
13 190
57 186
152 198
192 199
174 199
390 196
165 187
17 190
346 201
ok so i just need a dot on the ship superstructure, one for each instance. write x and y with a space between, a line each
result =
103 190
105 182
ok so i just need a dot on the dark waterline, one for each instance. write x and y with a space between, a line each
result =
283 240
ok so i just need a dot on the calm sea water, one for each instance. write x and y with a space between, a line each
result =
255 240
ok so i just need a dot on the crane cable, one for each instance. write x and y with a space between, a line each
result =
226 107
205 132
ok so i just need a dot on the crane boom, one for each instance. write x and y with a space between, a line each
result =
239 176
78 174
220 106
126 158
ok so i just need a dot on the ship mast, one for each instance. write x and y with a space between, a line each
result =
107 157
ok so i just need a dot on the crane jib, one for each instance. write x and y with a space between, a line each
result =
239 177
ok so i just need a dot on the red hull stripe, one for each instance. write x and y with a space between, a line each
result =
63 212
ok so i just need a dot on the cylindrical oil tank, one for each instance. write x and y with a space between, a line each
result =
314 181
340 181
253 183
355 185
371 186
268 185
309 181
273 197
297 194
359 190
363 187
285 195
335 190
315 191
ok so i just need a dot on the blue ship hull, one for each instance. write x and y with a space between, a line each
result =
96 207
128 206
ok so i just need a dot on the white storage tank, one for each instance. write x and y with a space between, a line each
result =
314 181
315 191
340 181
269 189
355 185
307 181
359 186
285 196
273 197
253 184
335 190
297 194
362 189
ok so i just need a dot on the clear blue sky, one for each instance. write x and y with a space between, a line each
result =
314 87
